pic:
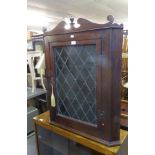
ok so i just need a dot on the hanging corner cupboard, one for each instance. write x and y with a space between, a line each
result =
83 61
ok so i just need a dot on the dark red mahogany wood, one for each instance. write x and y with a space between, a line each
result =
108 40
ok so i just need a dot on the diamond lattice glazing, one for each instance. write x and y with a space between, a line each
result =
76 81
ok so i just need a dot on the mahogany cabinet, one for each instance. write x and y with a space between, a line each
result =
83 67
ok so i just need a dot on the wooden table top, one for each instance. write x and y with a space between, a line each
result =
43 120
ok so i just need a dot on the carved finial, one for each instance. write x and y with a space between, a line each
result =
72 20
110 18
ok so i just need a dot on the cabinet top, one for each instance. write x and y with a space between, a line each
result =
82 25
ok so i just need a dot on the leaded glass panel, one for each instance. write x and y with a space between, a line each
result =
75 68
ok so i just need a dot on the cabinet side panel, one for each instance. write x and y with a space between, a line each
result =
111 76
116 59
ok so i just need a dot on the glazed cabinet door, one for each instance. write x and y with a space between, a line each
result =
76 78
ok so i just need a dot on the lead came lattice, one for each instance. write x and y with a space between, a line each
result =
75 68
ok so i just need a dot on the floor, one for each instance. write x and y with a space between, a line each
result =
31 144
